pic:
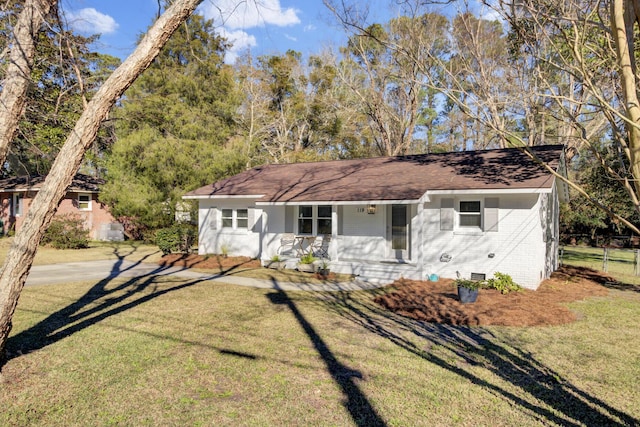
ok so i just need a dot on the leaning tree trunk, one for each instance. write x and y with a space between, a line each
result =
20 257
18 75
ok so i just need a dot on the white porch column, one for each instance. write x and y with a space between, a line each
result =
333 247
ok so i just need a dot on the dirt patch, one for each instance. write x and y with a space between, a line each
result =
214 262
437 302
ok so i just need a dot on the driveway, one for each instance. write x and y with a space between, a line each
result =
103 269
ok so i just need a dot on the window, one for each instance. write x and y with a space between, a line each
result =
469 214
17 204
314 219
305 220
242 218
84 202
235 218
227 218
324 219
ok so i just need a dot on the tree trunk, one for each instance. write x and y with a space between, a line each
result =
625 52
21 51
20 257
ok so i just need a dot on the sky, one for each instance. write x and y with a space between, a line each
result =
264 26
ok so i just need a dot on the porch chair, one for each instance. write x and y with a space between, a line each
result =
287 241
320 246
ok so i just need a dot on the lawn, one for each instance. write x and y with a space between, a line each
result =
159 351
620 262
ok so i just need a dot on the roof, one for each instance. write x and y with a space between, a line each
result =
80 183
390 178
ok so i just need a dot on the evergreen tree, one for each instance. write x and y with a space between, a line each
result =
173 128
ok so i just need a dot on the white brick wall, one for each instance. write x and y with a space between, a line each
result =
518 246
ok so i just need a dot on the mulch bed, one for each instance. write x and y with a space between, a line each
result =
437 302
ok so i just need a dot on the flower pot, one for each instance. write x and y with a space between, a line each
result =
276 265
322 273
306 268
467 295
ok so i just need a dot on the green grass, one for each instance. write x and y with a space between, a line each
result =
620 263
174 352
132 251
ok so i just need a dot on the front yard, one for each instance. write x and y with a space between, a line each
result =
165 351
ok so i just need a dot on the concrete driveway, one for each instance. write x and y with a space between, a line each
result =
103 269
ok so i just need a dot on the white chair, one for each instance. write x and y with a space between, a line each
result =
287 243
320 246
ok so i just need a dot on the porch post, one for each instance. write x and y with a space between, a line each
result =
333 247
420 235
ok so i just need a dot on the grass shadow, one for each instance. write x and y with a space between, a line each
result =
360 409
100 302
566 404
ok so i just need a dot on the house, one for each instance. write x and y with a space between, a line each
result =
81 199
449 214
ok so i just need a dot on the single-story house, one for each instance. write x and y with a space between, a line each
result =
81 199
416 216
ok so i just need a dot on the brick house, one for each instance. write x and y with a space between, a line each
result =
16 194
382 218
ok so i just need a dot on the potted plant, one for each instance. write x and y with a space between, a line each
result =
468 289
276 262
323 270
306 263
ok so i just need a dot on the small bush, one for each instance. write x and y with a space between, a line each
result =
179 238
66 232
503 283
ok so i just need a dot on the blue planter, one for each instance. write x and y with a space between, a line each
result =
467 295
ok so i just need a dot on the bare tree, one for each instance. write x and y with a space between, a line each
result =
20 257
21 50
571 78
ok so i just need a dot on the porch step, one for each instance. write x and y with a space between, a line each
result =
376 272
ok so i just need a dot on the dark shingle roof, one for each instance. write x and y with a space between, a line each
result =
390 178
80 183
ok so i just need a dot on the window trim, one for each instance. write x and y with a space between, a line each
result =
17 204
235 219
469 214
314 219
88 202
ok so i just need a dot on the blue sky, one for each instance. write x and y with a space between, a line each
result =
271 27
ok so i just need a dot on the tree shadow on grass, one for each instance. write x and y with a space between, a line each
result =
101 301
360 409
564 403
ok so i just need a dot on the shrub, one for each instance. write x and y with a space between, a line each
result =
179 238
503 283
66 232
470 284
307 259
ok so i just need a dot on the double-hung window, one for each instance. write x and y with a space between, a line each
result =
84 201
314 219
469 214
235 218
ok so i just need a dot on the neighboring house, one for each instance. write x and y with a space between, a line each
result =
81 199
413 216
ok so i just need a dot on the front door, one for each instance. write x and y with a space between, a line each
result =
398 220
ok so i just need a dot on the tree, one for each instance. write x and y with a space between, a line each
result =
580 81
21 49
173 128
23 249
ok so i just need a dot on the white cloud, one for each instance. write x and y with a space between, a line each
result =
241 41
250 13
90 21
309 27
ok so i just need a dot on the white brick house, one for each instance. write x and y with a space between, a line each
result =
412 216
